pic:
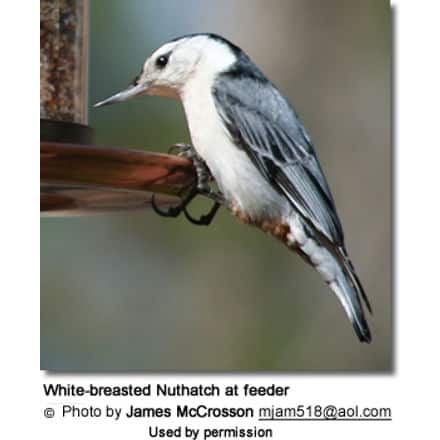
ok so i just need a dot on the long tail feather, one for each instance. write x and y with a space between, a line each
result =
335 267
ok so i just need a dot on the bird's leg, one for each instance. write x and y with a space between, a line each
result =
183 150
202 187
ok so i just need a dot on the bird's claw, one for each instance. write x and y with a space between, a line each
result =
201 187
174 211
204 220
182 150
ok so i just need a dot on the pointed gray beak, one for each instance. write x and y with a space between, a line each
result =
131 92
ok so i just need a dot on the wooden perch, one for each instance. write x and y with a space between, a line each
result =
82 179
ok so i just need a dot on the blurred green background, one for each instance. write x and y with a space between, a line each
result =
139 292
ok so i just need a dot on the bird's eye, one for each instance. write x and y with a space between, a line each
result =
162 61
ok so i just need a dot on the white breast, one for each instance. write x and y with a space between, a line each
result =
237 177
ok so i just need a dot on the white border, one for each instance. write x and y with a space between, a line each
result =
410 391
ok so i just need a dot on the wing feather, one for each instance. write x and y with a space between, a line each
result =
262 123
270 132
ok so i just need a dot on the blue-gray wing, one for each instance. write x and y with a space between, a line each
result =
262 122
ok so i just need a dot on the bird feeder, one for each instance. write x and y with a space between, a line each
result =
63 71
78 177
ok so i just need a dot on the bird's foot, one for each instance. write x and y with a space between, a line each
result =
203 220
174 211
182 150
202 170
201 187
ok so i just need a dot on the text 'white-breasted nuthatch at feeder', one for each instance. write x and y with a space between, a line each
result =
249 138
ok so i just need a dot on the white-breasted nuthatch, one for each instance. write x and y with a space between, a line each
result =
258 151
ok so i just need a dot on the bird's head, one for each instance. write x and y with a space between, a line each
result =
174 64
